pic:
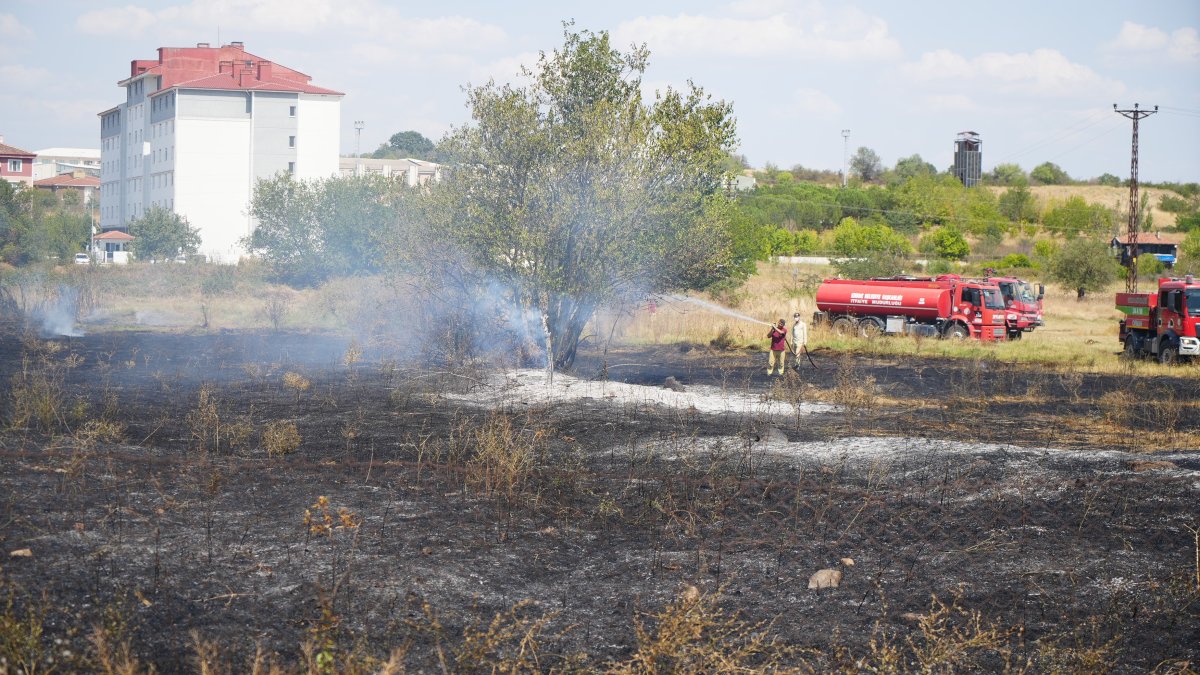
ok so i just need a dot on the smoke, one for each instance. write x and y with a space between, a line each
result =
56 313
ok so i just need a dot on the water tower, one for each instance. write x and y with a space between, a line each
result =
968 158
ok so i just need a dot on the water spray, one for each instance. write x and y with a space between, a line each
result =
720 310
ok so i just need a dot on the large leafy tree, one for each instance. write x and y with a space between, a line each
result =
572 191
1084 264
10 221
406 144
851 238
310 231
866 165
36 225
1076 216
1008 174
162 234
1189 253
908 167
1018 204
1049 173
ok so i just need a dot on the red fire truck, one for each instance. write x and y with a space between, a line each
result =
1024 304
943 306
1162 324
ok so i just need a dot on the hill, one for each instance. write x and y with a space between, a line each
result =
1118 197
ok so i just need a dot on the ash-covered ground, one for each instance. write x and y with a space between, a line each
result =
422 501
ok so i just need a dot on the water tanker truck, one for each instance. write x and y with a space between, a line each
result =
1162 324
944 306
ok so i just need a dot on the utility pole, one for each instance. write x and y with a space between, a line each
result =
358 127
845 153
1134 207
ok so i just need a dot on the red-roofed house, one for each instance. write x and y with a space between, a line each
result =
16 165
199 126
78 181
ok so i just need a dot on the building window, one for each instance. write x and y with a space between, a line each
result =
291 141
291 167
14 165
291 111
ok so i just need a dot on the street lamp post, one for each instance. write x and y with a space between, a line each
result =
358 127
845 153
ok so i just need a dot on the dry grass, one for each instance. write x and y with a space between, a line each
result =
693 634
1112 197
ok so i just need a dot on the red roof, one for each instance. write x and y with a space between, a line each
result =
226 67
10 151
1154 238
68 180
114 235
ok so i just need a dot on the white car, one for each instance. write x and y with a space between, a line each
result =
82 259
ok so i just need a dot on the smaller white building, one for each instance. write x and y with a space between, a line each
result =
412 171
52 162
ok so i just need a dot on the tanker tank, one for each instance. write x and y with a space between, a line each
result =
880 298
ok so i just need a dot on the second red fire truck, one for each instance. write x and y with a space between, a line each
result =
943 306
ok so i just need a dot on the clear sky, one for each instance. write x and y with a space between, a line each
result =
1036 79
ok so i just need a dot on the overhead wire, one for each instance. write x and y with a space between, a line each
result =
1058 136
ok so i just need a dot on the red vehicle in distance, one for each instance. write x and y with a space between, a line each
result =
1023 302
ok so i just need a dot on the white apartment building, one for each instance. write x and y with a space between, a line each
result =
199 126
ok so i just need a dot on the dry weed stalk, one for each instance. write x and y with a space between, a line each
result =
112 656
205 420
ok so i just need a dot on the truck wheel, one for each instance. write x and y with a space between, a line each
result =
1015 334
1168 356
1131 347
843 326
869 328
957 331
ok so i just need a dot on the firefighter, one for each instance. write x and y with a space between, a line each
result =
778 338
799 335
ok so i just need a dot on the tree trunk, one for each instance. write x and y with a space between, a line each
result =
1079 296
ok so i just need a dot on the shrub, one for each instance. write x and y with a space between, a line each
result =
280 438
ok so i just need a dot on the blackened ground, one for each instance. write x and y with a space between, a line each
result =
1000 488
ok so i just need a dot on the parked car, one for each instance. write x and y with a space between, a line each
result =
82 259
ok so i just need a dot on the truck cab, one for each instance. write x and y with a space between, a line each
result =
1162 324
1023 302
980 307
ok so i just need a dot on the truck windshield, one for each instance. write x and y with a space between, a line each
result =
1192 300
1024 292
992 298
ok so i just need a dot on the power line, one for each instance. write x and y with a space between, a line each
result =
1087 141
1180 112
1058 136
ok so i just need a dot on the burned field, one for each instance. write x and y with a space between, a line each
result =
201 497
